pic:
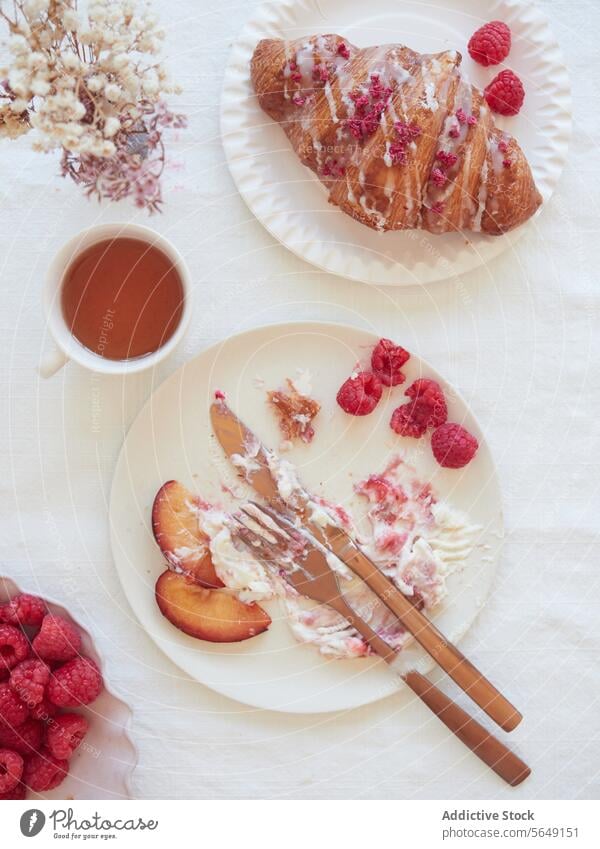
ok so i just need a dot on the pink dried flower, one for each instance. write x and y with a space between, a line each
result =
135 169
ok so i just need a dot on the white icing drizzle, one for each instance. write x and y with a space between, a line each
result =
481 197
331 102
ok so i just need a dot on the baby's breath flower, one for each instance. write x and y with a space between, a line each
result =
111 127
40 86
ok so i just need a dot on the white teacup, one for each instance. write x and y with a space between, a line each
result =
68 347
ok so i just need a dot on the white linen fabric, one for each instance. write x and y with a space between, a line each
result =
519 339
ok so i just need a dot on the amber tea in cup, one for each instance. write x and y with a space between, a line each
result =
122 298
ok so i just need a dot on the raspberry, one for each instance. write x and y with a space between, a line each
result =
453 446
18 792
24 609
26 739
13 712
29 680
360 394
13 646
44 711
425 392
386 361
404 423
44 772
426 409
490 44
11 770
65 733
76 683
505 94
57 639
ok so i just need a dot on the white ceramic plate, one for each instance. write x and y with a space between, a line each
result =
102 766
172 438
289 199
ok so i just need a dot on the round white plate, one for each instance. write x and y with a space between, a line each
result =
289 199
102 766
172 438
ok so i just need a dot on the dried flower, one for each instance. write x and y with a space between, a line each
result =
90 86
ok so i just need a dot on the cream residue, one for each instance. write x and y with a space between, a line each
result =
236 567
415 539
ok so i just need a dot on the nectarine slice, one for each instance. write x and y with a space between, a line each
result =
212 615
179 536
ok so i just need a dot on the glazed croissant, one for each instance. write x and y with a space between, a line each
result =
400 139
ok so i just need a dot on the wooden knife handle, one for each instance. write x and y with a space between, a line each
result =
483 744
446 655
477 738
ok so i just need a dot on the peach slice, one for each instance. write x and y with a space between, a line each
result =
178 534
212 615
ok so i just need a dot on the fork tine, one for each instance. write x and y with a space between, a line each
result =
267 548
281 521
259 517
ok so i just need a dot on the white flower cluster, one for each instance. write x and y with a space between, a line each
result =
79 80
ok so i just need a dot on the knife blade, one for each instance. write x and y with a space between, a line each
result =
237 440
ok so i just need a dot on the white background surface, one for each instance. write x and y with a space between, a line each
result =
519 339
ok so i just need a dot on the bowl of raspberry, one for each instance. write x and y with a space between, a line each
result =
63 734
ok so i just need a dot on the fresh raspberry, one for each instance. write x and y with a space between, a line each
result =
404 423
453 446
57 639
44 711
26 739
505 94
24 609
360 394
428 393
490 44
13 712
65 733
426 409
44 772
76 683
386 361
11 770
18 792
13 646
29 680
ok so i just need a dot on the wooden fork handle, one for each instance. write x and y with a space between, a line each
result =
477 738
483 744
445 654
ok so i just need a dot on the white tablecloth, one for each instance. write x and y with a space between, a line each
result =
520 340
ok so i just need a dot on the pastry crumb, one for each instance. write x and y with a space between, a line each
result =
295 412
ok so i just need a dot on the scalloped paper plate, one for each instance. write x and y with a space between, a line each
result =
289 199
172 438
102 766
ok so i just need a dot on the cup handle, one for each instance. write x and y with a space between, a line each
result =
52 362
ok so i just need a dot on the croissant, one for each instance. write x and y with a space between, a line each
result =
400 139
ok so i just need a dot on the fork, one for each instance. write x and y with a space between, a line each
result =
276 540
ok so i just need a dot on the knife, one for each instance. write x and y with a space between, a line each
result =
235 438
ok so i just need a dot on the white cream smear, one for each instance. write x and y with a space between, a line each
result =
414 538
